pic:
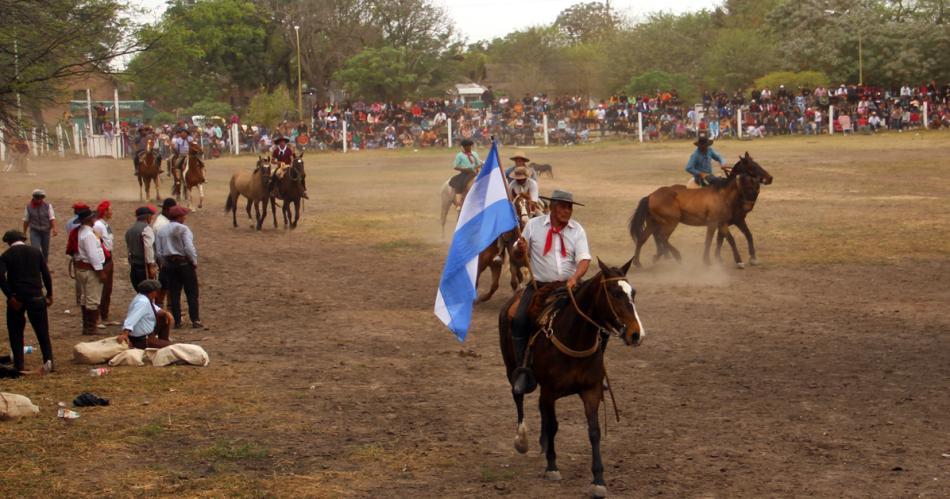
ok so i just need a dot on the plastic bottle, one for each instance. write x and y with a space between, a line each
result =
99 371
28 349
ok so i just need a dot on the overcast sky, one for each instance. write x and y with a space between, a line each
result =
486 19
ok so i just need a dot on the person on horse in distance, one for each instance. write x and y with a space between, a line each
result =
557 248
140 143
180 146
522 183
523 162
466 162
700 163
283 153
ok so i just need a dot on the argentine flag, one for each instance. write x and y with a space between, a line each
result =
486 214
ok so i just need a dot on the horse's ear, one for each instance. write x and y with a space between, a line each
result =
747 155
603 268
626 266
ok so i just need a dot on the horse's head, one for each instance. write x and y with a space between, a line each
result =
748 176
524 207
750 167
618 304
150 143
194 148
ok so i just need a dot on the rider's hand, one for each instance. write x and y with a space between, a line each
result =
702 175
49 301
522 245
572 282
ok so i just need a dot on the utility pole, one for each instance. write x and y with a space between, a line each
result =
299 82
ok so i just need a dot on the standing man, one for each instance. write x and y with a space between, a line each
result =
89 261
104 232
23 275
558 251
146 325
700 163
161 221
178 258
140 242
40 220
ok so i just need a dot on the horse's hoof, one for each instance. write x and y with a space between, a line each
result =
740 265
598 491
753 261
552 476
521 439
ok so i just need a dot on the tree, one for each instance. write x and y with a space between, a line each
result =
269 108
587 22
654 81
382 74
793 81
737 57
210 108
46 43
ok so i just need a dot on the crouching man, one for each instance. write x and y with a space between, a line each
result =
146 325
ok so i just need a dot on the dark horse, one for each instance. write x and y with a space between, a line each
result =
288 185
568 353
714 207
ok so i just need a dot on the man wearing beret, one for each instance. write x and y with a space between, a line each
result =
140 242
146 325
23 275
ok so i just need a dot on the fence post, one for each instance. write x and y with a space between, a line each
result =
926 118
831 120
739 122
77 139
59 140
235 139
544 120
640 126
449 121
344 135
3 147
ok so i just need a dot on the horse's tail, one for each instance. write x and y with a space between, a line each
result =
639 219
229 205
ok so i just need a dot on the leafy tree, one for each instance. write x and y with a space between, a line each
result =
587 22
737 57
380 74
793 81
655 81
163 117
210 108
269 108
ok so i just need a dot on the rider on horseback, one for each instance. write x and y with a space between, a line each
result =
141 144
283 154
466 163
558 250
522 183
523 162
700 163
180 145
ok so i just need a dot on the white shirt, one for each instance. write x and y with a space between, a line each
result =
554 267
90 249
140 320
104 231
530 186
159 222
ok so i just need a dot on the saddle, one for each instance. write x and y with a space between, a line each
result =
548 300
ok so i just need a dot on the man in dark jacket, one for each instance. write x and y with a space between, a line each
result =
23 275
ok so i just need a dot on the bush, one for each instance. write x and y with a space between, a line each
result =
209 108
792 81
163 118
269 108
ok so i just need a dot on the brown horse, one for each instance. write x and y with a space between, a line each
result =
493 257
194 174
288 185
256 187
568 352
149 170
714 207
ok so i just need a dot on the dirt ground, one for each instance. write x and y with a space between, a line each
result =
822 372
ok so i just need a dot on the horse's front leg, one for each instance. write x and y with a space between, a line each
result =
710 230
724 230
744 227
521 438
258 221
158 196
548 432
141 194
592 399
296 214
201 195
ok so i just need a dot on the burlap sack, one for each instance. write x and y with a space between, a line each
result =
16 406
181 353
130 357
98 352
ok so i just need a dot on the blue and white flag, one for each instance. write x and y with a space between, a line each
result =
486 214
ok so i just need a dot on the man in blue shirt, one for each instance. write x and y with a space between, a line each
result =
700 163
146 325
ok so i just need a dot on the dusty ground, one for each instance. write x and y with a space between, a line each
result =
823 372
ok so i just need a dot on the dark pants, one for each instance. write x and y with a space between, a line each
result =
40 239
158 338
709 180
137 274
35 309
521 323
181 275
106 299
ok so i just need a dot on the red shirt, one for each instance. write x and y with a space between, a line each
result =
283 156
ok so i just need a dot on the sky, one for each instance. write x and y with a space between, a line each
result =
486 19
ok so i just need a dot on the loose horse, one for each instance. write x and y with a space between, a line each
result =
149 170
715 208
256 187
192 175
448 197
289 187
568 352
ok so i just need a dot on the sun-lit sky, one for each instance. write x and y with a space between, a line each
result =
486 19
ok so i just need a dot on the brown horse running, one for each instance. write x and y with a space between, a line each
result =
288 184
568 353
715 208
194 174
493 257
149 170
256 187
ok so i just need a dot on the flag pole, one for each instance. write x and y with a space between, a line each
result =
504 179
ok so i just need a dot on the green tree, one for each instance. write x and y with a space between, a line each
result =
587 22
380 74
210 108
737 57
269 108
655 81
793 81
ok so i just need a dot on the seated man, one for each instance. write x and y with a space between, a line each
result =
146 325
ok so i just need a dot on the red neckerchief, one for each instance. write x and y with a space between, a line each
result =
36 203
551 232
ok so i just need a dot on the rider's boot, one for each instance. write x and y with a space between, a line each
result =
522 381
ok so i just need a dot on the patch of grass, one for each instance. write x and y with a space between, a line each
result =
493 474
233 450
398 245
152 430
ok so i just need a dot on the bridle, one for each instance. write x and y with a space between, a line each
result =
603 331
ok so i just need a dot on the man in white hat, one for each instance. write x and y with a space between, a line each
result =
557 247
522 183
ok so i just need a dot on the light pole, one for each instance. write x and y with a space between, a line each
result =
299 82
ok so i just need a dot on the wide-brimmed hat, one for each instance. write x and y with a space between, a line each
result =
39 193
561 196
520 173
149 285
280 138
84 214
12 236
703 141
518 156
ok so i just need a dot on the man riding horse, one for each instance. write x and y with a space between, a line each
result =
145 133
700 163
522 183
520 161
180 145
283 155
466 163
558 252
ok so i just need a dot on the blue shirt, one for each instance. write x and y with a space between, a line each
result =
140 319
701 163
